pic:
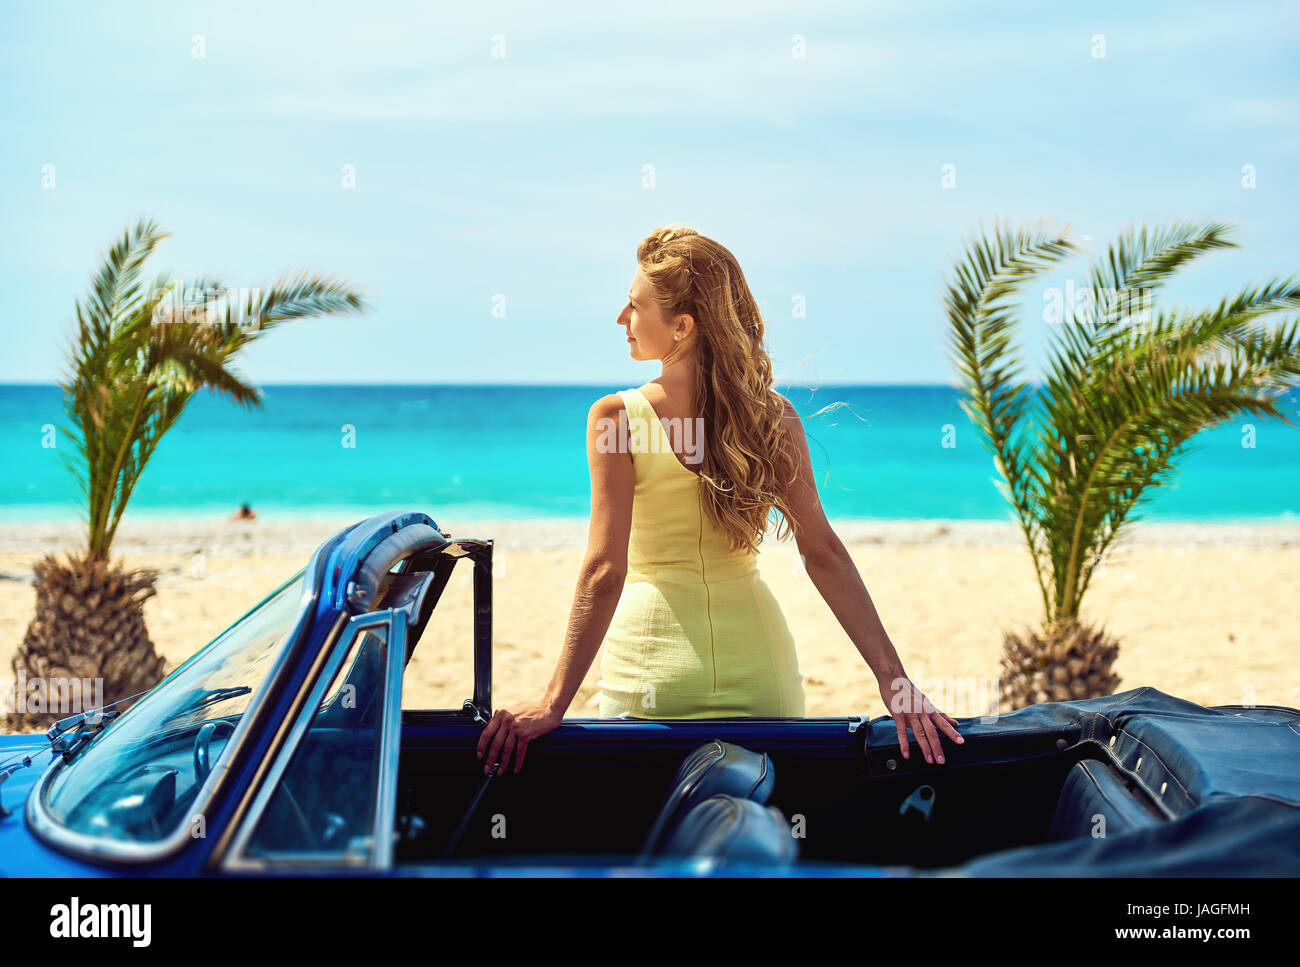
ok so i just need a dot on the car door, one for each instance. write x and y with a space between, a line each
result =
326 802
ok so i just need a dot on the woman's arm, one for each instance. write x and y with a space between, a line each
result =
600 581
600 584
836 578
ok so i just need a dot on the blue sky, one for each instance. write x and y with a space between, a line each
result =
521 175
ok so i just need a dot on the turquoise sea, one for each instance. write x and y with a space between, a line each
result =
518 452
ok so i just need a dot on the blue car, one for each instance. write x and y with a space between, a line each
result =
283 748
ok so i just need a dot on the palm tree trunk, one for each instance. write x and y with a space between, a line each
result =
1063 661
87 644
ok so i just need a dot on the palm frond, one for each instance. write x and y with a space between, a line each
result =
115 287
980 304
303 295
1125 392
1144 259
137 357
1123 287
1149 393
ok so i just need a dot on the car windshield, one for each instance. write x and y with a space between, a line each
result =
138 779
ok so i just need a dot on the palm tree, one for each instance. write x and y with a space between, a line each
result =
137 357
1129 384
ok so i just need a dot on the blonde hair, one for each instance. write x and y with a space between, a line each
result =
748 468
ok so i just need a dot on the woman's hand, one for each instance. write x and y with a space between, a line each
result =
510 730
909 707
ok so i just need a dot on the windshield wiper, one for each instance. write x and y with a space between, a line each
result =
210 697
87 724
220 694
68 736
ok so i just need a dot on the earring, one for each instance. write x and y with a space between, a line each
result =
675 338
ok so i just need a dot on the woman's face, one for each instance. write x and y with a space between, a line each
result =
649 334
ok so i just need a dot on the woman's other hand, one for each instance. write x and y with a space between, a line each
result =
910 708
510 730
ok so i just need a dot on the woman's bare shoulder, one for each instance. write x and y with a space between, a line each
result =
791 416
652 390
607 407
793 424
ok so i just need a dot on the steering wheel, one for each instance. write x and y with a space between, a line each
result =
202 743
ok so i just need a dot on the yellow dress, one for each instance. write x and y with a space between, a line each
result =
697 632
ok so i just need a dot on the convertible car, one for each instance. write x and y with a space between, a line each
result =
283 748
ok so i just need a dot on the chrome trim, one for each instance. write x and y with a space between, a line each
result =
236 857
53 833
390 746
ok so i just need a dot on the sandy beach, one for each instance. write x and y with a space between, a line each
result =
1204 612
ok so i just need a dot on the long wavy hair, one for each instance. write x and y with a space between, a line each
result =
748 469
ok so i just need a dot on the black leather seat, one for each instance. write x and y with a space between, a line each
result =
1094 789
716 768
727 828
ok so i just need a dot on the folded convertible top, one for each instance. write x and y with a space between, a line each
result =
1227 778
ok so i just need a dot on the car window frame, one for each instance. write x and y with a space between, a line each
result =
236 858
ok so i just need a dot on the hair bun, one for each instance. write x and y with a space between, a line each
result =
653 244
666 233
669 232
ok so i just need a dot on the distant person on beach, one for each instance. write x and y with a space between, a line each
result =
685 472
245 512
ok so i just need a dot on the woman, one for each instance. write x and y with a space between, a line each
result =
684 474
